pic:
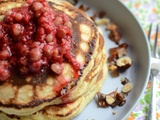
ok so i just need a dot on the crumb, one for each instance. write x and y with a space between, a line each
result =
115 34
103 21
124 63
114 112
94 16
124 81
112 99
113 70
83 8
117 52
127 88
101 14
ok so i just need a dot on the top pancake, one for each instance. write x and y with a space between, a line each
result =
25 95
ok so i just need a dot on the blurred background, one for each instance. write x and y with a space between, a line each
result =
147 12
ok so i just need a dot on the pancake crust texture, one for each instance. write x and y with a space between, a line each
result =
65 111
33 97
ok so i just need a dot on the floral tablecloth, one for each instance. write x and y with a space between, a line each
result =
147 12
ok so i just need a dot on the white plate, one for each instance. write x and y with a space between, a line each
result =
139 52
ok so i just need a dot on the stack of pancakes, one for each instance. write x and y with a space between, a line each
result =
33 97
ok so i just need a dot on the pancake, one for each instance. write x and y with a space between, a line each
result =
69 110
27 95
65 111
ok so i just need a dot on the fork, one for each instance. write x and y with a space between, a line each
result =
155 69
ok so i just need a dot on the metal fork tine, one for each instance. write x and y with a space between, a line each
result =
149 33
155 69
155 49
